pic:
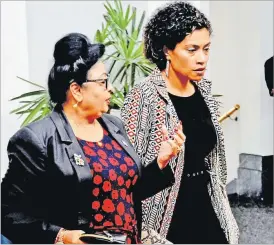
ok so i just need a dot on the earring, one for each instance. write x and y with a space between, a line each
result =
167 67
75 105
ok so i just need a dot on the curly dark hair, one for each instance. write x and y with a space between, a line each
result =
168 26
74 55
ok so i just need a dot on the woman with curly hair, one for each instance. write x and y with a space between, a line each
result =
196 208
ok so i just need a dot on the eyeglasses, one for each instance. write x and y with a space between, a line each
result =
100 81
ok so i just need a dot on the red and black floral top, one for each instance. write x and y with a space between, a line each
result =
114 174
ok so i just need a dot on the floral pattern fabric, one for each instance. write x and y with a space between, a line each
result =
114 174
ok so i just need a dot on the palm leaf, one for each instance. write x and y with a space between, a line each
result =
141 23
33 93
127 13
19 109
133 20
34 112
35 84
118 73
133 68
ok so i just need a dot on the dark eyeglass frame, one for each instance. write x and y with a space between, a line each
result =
100 80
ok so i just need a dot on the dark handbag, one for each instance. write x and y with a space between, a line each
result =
103 237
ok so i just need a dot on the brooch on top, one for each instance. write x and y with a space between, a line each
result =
79 160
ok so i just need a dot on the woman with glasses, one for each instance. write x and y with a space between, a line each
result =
75 171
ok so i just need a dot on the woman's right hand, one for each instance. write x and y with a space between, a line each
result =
72 237
170 147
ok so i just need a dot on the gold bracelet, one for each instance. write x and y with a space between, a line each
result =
60 236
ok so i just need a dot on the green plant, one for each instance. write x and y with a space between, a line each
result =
121 34
35 104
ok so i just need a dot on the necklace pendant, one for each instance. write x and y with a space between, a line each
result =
100 143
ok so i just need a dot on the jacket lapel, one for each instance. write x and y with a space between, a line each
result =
74 151
205 88
122 140
72 147
160 85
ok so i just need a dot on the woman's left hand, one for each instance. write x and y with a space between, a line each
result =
170 147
